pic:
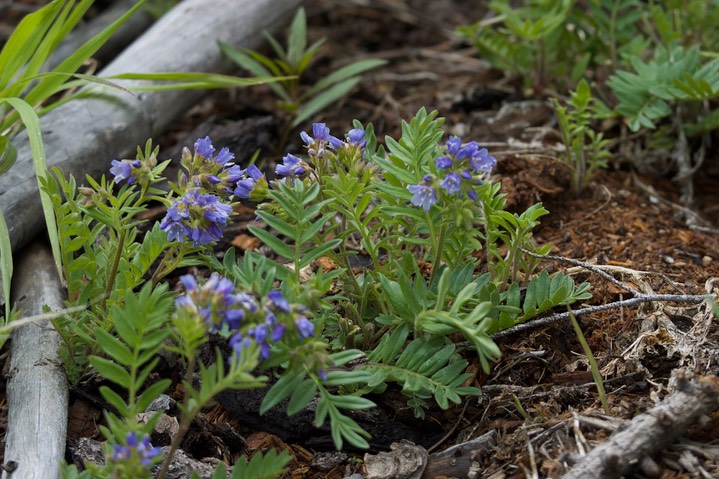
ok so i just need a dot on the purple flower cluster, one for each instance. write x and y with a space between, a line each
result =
134 448
271 328
215 302
462 168
247 320
197 217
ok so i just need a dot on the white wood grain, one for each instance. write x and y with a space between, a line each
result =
37 390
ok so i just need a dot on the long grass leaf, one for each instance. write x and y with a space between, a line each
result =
323 99
5 264
64 24
39 160
24 40
193 80
343 73
44 88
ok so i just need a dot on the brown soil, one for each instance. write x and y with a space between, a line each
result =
538 393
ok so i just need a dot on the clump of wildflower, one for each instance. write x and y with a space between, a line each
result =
215 174
215 302
424 194
461 169
196 217
126 170
279 315
135 451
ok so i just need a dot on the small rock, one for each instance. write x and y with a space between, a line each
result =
668 259
324 461
706 260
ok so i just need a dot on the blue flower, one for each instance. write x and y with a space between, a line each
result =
424 195
443 162
321 134
124 170
204 148
224 156
278 301
142 449
451 183
249 179
356 136
291 166
305 328
454 143
481 161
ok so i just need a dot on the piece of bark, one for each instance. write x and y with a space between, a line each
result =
84 135
405 460
461 460
37 390
649 433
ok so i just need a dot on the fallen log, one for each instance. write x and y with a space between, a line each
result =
37 390
649 433
84 135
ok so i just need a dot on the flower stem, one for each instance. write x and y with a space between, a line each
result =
114 267
184 424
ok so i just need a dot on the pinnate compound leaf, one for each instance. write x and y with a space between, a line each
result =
261 466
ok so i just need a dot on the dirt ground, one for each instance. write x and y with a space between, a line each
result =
540 401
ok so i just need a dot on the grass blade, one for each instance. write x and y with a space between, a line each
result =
5 264
39 160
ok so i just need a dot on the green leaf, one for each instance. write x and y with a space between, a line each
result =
342 74
297 40
115 400
114 347
302 396
6 264
269 465
323 99
111 371
151 393
286 385
32 125
8 154
277 245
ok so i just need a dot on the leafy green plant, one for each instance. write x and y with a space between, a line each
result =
674 75
416 202
300 102
408 206
585 150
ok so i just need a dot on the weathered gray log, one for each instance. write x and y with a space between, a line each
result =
83 136
37 391
649 433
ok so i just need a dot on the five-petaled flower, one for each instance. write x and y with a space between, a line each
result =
424 194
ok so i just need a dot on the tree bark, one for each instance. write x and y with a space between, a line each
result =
84 135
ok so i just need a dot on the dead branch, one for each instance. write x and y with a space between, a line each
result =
649 433
37 391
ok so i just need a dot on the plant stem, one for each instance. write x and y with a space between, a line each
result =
438 247
114 267
184 424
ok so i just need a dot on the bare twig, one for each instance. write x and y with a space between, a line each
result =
652 431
